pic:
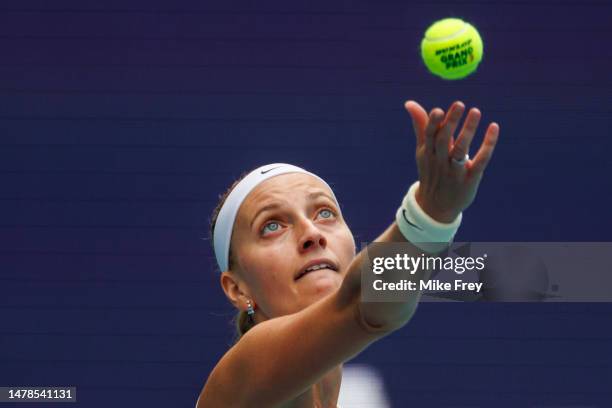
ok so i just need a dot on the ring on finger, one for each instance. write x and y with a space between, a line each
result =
462 161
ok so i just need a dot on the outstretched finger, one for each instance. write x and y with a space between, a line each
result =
435 118
456 105
462 144
479 164
445 134
419 120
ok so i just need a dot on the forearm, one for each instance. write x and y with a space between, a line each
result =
383 316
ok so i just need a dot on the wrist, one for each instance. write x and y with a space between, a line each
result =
421 229
445 217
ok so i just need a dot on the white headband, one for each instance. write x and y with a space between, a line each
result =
227 215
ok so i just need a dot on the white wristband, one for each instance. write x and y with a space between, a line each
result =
420 229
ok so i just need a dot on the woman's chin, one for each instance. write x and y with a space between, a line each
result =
322 283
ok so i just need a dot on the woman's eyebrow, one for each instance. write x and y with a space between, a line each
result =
314 196
268 207
318 194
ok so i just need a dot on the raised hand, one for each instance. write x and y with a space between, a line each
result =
448 184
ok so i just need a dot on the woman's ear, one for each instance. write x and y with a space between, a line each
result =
232 286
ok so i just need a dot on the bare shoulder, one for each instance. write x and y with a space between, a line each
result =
260 369
223 381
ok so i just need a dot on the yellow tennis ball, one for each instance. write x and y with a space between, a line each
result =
451 48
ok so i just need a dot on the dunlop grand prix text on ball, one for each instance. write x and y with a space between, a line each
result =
451 48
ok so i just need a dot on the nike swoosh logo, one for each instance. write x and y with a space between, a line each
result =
408 221
265 171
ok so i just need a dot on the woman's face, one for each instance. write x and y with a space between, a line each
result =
284 225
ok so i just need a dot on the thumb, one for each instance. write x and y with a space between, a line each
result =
419 120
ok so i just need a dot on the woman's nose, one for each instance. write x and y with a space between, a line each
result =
311 237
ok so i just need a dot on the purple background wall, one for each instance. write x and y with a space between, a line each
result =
122 121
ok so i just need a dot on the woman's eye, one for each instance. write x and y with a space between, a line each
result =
273 226
270 227
325 213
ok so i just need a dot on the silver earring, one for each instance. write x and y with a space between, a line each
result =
250 310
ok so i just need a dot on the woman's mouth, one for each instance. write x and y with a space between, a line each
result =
316 266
